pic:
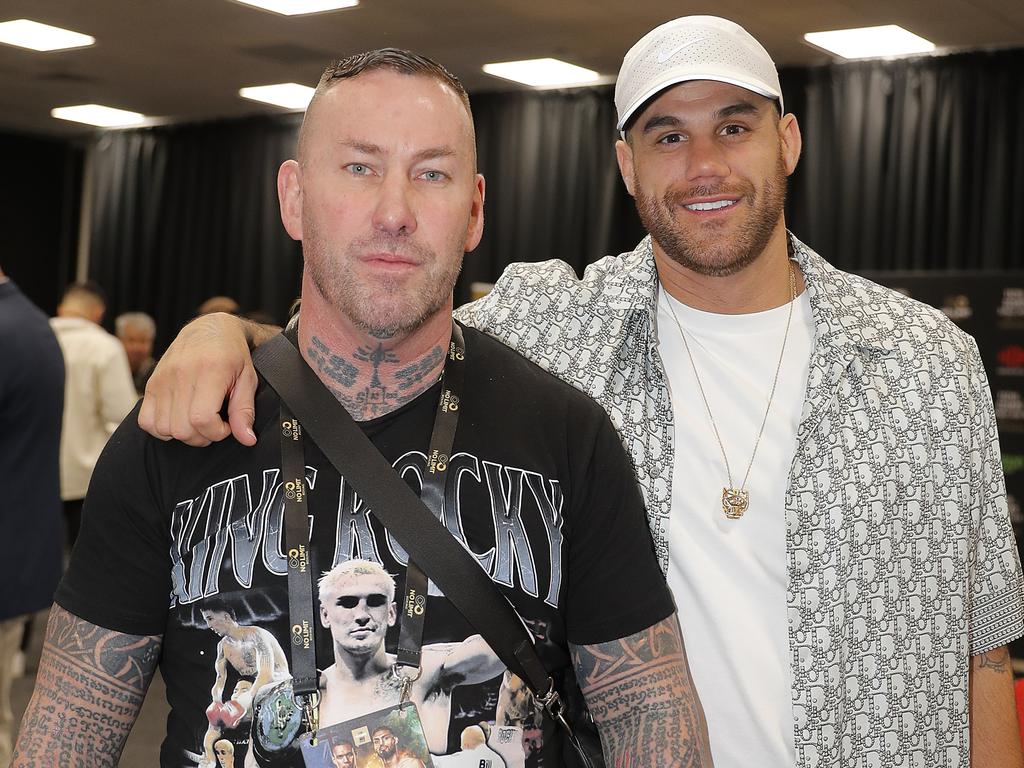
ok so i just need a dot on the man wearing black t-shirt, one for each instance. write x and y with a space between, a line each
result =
386 199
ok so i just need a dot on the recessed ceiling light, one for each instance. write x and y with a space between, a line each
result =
543 73
41 37
287 95
97 114
300 7
870 42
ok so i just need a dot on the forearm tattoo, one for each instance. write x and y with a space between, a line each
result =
89 689
640 693
998 660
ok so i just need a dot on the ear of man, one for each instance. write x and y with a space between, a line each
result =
289 196
791 141
475 230
624 157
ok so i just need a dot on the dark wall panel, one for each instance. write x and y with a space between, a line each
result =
40 195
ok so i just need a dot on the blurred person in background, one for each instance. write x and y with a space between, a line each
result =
98 392
136 331
31 400
218 304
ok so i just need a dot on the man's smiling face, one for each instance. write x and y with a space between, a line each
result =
707 163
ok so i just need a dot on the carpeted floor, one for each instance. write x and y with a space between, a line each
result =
143 747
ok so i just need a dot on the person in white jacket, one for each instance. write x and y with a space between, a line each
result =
98 392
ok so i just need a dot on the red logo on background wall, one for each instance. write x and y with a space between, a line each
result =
1011 357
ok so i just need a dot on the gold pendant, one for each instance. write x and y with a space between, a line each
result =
735 502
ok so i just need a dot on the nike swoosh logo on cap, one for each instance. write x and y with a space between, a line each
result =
664 55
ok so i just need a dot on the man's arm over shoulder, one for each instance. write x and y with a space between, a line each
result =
89 689
514 291
208 362
642 697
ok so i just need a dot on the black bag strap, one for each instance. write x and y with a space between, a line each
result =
394 504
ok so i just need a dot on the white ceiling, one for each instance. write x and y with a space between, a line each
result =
186 59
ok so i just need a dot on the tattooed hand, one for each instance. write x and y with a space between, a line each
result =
89 689
641 695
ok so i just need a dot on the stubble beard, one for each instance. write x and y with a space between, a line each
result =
712 252
390 306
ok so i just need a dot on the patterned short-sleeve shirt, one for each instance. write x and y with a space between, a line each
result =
900 556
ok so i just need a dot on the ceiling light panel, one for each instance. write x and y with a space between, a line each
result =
870 42
99 115
299 7
287 95
543 73
25 33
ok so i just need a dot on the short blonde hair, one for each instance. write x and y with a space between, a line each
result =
351 569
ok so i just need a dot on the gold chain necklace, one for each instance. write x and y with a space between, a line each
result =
736 500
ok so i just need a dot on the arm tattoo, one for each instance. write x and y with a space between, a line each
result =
998 660
640 693
89 689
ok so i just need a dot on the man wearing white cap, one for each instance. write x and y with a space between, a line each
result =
818 454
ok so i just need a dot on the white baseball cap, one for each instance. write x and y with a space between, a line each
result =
693 48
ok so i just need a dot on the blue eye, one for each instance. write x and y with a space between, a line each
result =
433 176
358 169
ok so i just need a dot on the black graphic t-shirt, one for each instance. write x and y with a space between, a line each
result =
188 543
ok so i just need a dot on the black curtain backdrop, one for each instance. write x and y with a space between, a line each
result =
39 205
908 164
182 213
912 164
553 186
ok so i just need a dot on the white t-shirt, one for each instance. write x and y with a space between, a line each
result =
729 576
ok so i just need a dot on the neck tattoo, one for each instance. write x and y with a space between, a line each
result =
735 501
372 380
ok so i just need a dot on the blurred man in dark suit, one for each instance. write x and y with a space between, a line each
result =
31 403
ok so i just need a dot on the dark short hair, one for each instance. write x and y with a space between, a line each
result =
394 59
217 605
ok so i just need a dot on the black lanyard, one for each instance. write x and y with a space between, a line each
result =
301 609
